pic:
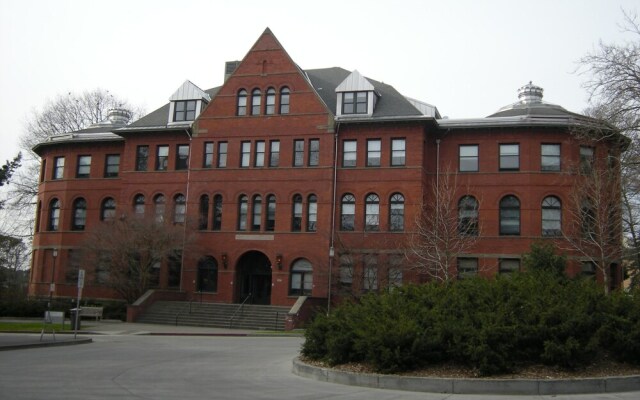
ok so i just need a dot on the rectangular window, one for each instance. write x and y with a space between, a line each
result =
208 155
142 158
550 157
354 102
298 153
509 265
274 153
373 152
347 267
509 157
395 271
314 152
245 154
182 156
467 267
370 275
259 156
349 149
112 166
84 167
58 168
468 158
184 110
162 158
586 159
222 154
398 152
588 268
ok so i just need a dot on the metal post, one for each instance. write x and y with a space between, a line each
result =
52 286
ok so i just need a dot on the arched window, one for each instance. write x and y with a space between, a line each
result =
159 207
468 216
217 212
256 219
551 216
348 213
203 218
255 102
108 209
372 212
284 100
270 106
243 204
54 215
301 281
312 213
296 221
79 214
179 209
510 215
207 275
271 213
138 205
396 213
242 102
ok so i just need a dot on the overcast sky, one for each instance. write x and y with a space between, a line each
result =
468 58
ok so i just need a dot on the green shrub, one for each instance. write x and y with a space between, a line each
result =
491 325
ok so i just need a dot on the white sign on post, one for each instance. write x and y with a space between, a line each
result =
80 278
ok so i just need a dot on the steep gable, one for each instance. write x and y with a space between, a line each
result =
267 67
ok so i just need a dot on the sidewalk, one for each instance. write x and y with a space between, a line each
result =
18 340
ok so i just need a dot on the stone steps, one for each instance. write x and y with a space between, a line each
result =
216 315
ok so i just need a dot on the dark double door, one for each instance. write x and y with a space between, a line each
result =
254 279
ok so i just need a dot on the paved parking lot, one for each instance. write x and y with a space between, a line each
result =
134 366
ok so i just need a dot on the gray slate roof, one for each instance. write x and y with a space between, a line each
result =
390 104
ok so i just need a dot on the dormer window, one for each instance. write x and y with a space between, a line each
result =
185 111
187 103
356 96
354 102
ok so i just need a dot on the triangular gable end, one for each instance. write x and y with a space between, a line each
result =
355 82
189 91
266 64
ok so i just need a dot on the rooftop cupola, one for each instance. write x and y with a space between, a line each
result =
530 94
118 116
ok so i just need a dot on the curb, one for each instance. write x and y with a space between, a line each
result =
45 344
612 384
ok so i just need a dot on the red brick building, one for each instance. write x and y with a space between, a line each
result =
286 177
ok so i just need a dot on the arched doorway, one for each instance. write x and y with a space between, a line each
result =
254 278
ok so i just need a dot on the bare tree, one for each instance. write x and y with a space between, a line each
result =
66 113
446 228
594 212
125 252
614 86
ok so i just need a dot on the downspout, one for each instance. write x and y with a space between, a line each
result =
186 213
333 215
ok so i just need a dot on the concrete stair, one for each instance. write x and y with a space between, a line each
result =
216 315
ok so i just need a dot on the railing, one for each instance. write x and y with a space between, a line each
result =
239 309
275 325
182 313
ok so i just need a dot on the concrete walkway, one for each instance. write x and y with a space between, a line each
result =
250 352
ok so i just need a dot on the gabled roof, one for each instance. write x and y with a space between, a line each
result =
355 83
189 91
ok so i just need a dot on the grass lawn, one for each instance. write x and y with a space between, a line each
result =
31 326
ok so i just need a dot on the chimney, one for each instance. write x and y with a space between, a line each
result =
230 68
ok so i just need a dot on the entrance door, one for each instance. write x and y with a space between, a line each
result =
254 278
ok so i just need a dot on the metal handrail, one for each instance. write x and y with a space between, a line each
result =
238 310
